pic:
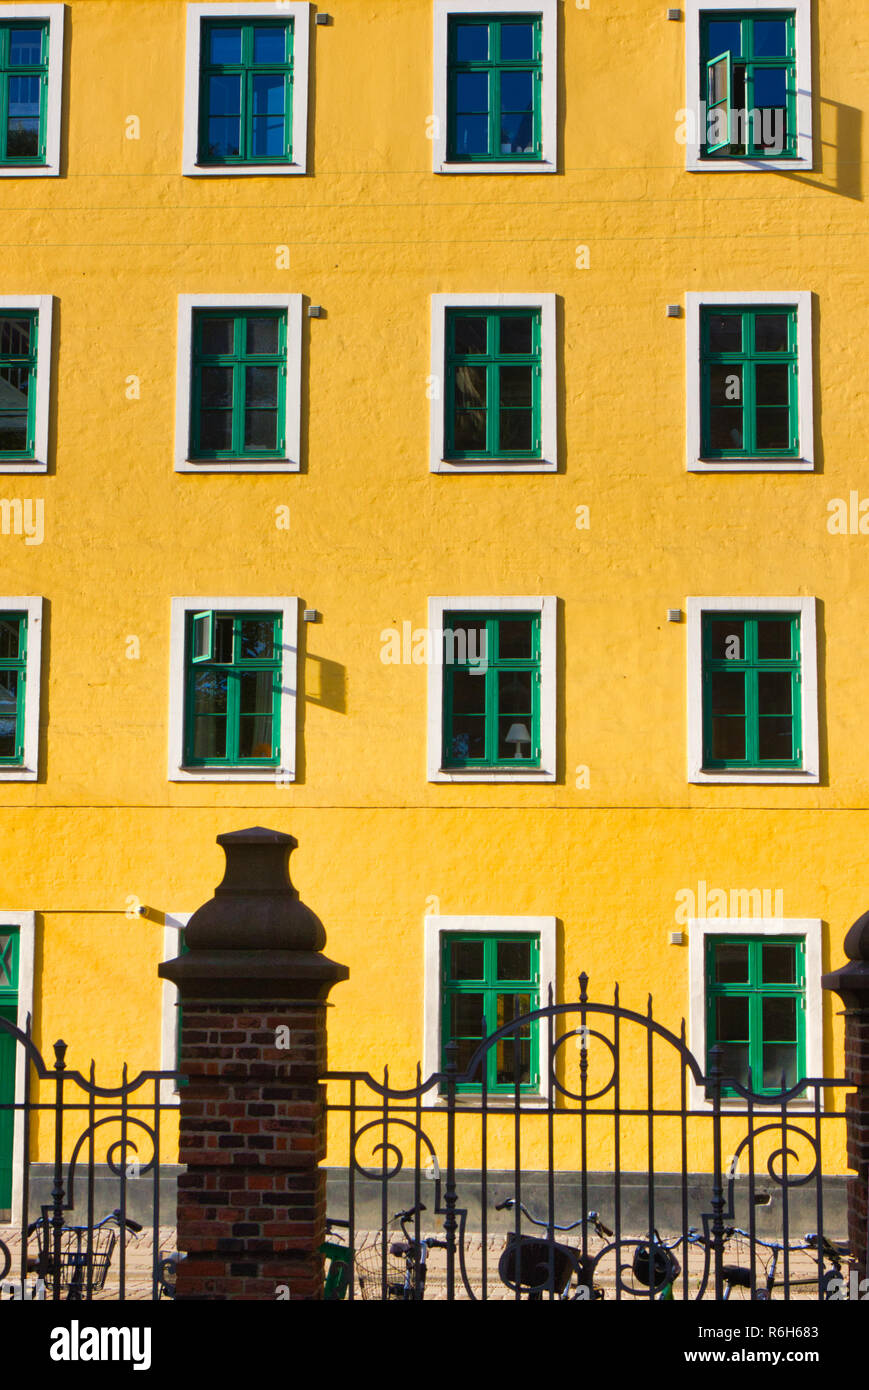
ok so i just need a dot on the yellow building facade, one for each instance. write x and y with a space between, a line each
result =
371 220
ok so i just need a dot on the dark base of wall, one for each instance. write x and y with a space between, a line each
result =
107 1194
802 1205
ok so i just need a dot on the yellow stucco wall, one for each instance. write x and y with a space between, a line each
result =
372 233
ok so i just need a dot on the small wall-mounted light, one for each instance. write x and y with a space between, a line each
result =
676 938
674 311
316 311
324 19
671 14
311 615
142 910
674 615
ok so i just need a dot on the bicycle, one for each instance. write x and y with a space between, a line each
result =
741 1277
533 1265
406 1265
339 1265
64 1263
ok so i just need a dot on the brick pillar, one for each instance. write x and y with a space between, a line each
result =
253 986
852 983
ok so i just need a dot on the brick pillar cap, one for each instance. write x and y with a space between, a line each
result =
852 981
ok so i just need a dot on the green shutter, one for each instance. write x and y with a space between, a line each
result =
202 643
719 88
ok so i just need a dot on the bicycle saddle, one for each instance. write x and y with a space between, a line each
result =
531 1264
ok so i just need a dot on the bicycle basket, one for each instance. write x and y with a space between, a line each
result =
656 1269
71 1271
530 1264
369 1271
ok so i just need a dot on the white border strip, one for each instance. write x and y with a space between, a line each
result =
44 306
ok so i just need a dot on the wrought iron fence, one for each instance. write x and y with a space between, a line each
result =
72 1232
633 1173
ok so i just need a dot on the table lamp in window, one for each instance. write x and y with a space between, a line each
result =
517 734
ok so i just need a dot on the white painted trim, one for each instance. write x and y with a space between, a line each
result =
701 927
548 463
802 301
54 95
805 607
548 10
547 608
173 923
26 924
802 11
300 14
289 611
545 927
44 305
291 463
28 770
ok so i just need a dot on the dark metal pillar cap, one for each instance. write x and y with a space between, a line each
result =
255 907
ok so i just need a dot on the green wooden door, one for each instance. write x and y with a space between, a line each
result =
8 1046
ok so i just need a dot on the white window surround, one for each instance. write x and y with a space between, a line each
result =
438 608
300 14
802 11
26 924
173 925
548 10
54 96
28 769
802 300
805 607
44 305
288 608
187 303
544 927
699 928
440 303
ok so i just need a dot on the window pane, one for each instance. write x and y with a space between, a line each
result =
725 35
513 960
217 336
774 640
514 692
726 639
772 384
469 693
770 38
776 739
270 45
472 42
215 429
8 693
728 739
25 47
774 689
725 385
516 639
779 1019
731 962
7 738
725 428
261 386
516 385
225 46
224 140
466 641
779 1058
261 429
725 332
517 42
14 337
223 629
470 386
514 737
517 333
773 428
209 691
472 92
734 1062
216 386
513 1062
515 430
263 335
472 134
727 692
257 640
255 737
257 692
466 960
517 91
470 334
268 114
517 133
268 136
209 738
224 95
770 87
779 965
466 1015
771 332
13 432
732 1019
468 739
10 630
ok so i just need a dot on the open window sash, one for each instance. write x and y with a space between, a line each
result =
719 103
202 637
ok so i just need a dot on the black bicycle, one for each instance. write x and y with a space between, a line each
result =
402 1273
76 1259
537 1265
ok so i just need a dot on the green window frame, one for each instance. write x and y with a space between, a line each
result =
239 388
495 85
494 380
748 84
23 91
756 1009
246 92
491 690
486 980
233 690
13 680
19 332
752 688
749 382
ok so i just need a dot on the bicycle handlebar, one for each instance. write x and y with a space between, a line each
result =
591 1218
